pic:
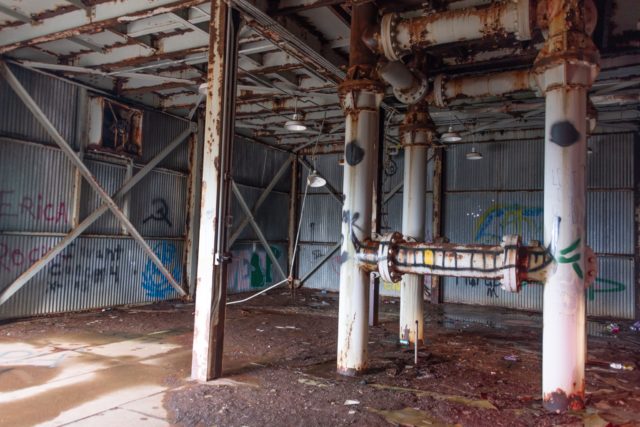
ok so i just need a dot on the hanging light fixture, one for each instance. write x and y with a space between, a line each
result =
473 154
295 124
314 180
450 136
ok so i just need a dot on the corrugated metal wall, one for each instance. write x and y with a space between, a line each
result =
321 220
254 166
502 194
38 200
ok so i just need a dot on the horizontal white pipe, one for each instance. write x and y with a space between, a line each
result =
399 36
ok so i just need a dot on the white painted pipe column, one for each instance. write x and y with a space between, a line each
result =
361 141
565 188
413 223
417 133
566 68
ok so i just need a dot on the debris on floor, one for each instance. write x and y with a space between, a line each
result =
139 368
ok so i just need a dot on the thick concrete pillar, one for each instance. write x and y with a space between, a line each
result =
361 96
211 282
566 67
416 132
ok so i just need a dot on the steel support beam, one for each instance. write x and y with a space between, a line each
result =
436 216
86 173
293 215
211 291
196 152
256 228
263 196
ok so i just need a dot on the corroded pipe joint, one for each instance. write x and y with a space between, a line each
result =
359 80
387 253
397 36
569 57
417 128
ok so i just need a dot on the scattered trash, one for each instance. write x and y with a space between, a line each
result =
474 403
350 402
259 330
286 327
95 321
511 358
635 326
352 412
409 417
622 366
324 292
230 383
308 381
324 303
613 328
107 309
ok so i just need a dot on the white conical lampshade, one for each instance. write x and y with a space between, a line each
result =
473 154
450 136
316 181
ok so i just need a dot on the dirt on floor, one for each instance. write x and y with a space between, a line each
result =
478 367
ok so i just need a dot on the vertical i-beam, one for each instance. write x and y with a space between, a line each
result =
417 134
566 67
361 95
208 333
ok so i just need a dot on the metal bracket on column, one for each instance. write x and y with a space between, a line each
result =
108 202
256 228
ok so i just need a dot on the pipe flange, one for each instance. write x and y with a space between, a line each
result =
414 94
510 281
591 265
438 91
389 42
387 252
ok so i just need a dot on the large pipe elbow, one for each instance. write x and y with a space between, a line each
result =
409 85
398 36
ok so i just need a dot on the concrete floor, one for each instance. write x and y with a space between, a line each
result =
131 366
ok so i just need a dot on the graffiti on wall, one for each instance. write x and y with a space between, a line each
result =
252 268
501 219
155 284
160 212
83 266
38 207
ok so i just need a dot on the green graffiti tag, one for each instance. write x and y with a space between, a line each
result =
564 257
611 286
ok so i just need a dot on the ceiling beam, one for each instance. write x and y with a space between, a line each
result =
77 21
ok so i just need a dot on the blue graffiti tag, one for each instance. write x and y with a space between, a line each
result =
153 281
503 216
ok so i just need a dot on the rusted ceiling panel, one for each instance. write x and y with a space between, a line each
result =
76 21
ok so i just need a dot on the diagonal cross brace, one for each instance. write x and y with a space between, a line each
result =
256 228
263 196
22 280
85 172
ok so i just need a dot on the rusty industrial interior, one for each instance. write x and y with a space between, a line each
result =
320 212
